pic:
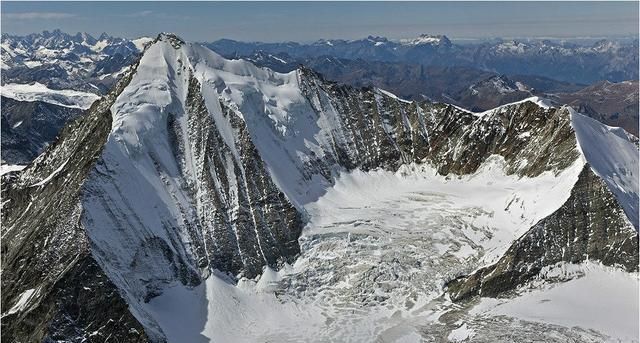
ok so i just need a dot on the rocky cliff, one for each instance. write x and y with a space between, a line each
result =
195 165
590 225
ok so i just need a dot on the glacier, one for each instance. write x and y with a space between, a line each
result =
234 203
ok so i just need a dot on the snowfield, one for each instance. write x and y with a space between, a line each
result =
6 168
375 255
377 248
40 92
596 297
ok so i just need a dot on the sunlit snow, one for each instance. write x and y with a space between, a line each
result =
40 92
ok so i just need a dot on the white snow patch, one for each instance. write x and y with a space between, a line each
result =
40 92
141 42
278 59
391 95
461 334
51 176
521 86
6 168
23 301
612 156
541 102
218 311
605 299
32 64
423 39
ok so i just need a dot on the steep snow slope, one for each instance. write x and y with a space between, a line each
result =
283 125
179 190
204 159
613 156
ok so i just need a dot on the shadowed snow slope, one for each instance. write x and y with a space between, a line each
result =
601 298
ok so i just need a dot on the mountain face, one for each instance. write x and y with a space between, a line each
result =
63 61
195 174
604 60
69 70
49 78
610 103
28 127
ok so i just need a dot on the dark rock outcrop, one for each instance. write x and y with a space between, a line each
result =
377 130
48 271
267 225
76 240
590 225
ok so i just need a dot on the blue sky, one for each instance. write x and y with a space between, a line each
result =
309 21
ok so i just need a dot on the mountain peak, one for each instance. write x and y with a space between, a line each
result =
377 39
85 37
104 36
427 39
172 38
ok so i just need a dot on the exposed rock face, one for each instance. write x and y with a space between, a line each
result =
378 130
49 277
194 164
589 226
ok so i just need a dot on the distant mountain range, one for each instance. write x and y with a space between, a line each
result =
604 60
50 77
613 103
63 61
206 199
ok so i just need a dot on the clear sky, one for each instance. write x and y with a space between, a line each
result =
309 21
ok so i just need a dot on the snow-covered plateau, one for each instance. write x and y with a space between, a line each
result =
209 200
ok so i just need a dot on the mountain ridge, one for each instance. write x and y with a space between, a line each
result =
204 165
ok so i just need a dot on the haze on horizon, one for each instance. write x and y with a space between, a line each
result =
310 21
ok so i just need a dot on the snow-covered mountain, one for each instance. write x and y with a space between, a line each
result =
62 61
199 188
585 64
49 78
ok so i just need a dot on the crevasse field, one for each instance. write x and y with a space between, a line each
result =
375 255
